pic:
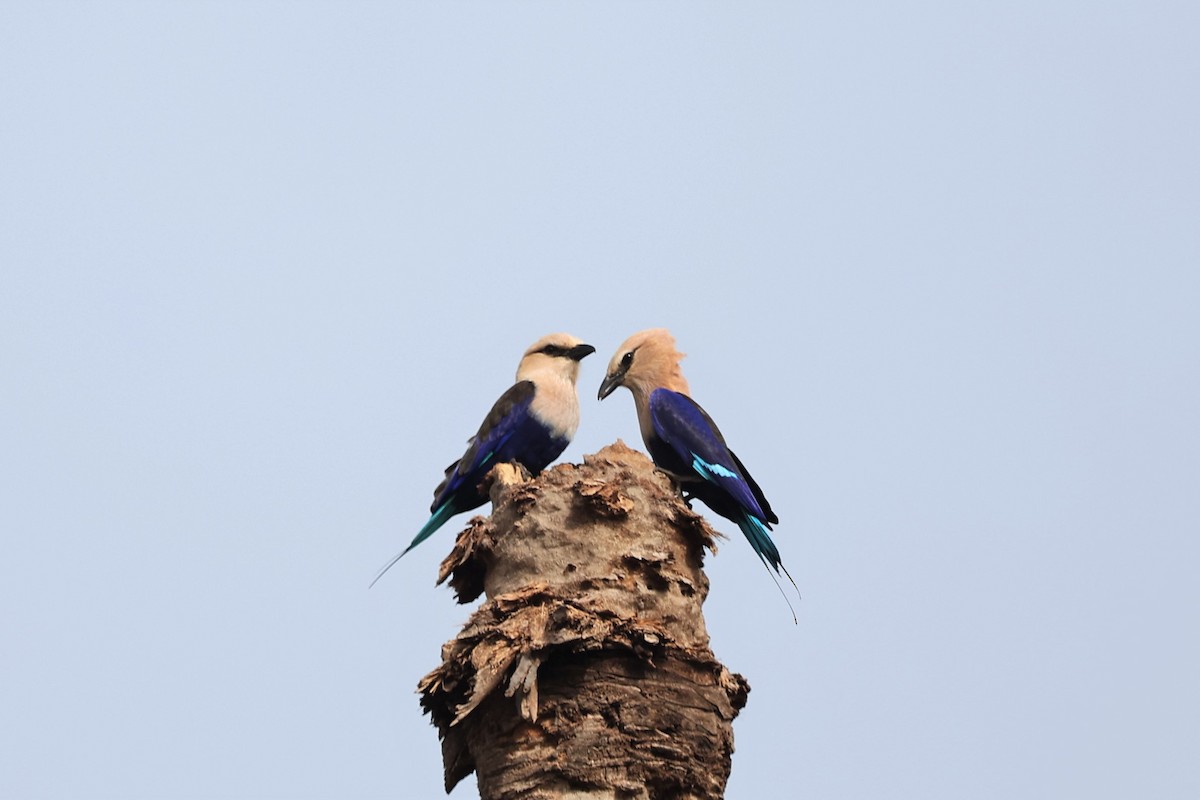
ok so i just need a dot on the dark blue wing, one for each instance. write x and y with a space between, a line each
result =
694 449
503 422
510 432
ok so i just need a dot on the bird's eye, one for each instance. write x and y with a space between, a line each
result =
552 350
627 360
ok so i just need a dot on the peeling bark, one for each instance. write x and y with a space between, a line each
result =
586 673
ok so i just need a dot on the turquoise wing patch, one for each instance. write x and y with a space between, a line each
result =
708 471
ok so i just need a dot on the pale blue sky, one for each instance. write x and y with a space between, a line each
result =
264 267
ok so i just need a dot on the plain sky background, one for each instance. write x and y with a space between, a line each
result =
265 266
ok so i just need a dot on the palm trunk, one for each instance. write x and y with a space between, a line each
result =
587 671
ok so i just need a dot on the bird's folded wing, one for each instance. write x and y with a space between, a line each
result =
692 435
507 416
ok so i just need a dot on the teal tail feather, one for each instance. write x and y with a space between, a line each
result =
756 532
760 540
444 512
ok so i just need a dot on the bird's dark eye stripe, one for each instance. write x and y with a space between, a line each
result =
553 350
627 359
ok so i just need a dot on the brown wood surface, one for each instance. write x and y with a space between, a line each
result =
586 672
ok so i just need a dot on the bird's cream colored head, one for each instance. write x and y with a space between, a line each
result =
554 356
646 361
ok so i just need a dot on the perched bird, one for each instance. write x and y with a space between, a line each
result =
684 441
531 424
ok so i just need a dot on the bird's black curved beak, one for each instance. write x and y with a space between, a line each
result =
580 352
610 384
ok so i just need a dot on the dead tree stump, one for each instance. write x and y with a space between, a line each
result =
587 671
